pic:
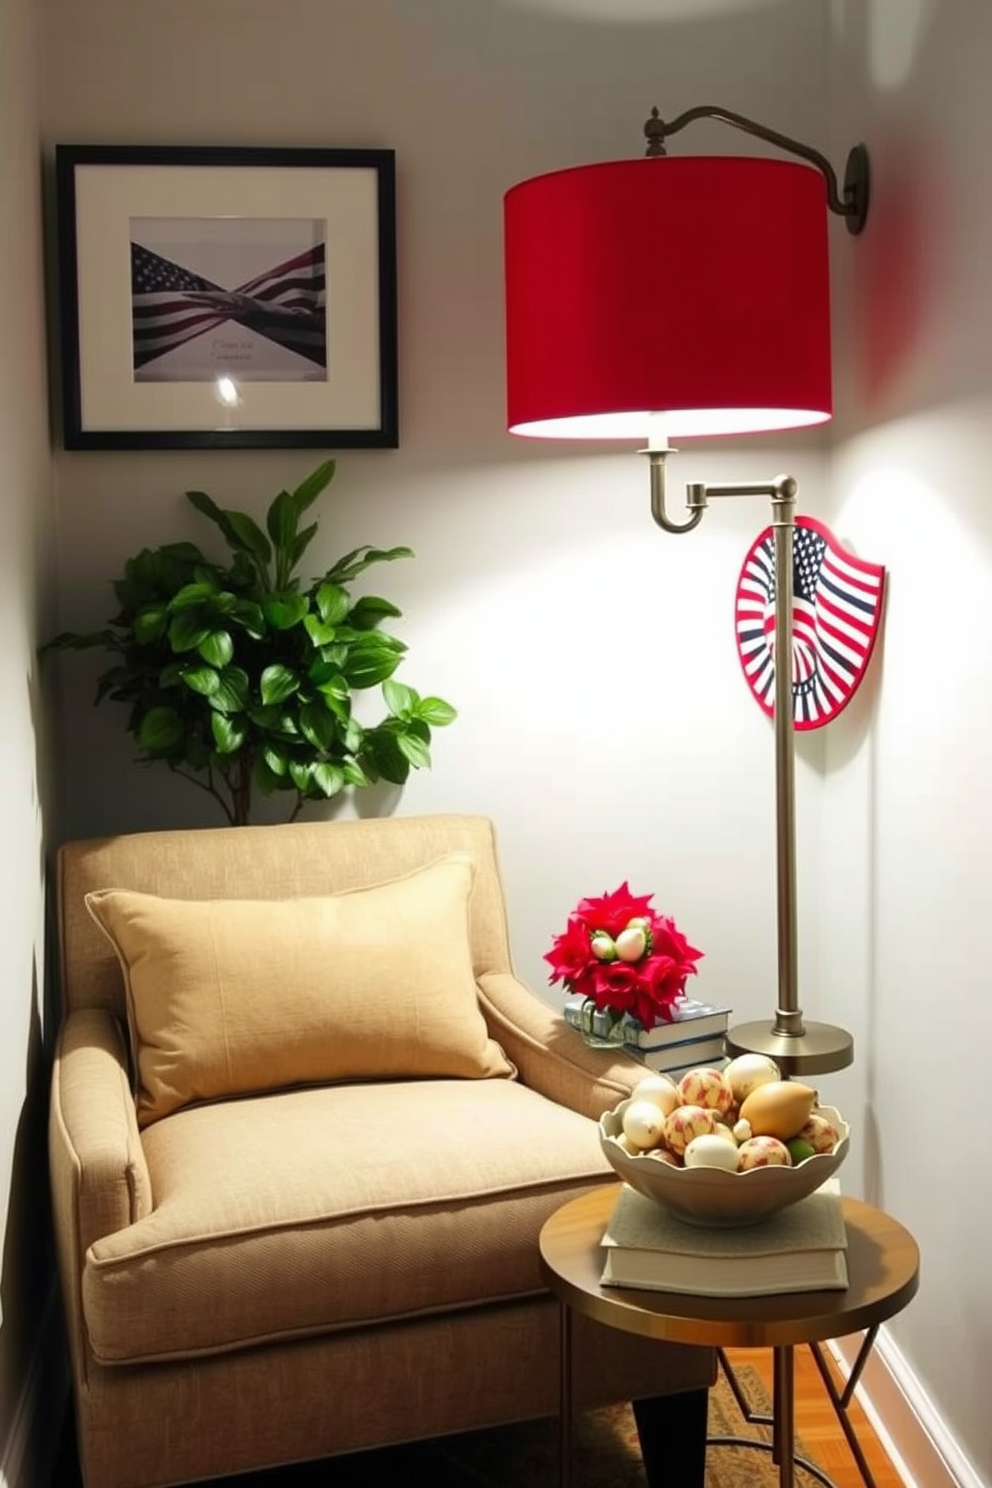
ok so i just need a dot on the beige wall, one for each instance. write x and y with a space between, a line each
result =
25 549
603 721
908 802
603 718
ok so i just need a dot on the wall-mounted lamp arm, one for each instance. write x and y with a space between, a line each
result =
849 201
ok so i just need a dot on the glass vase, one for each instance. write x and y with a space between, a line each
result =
602 1028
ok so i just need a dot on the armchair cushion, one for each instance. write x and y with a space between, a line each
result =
341 1207
229 997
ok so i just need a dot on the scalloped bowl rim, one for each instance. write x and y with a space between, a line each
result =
764 1189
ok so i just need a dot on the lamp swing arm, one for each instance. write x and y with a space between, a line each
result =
781 491
849 201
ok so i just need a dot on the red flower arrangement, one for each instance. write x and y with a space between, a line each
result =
625 957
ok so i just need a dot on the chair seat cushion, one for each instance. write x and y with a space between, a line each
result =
336 1207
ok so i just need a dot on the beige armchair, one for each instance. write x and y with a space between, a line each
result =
306 1125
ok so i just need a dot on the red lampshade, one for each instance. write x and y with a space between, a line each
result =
695 289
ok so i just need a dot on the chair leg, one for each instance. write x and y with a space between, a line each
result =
672 1432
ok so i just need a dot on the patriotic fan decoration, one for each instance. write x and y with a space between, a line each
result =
836 610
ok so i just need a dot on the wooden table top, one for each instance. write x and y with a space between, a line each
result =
883 1266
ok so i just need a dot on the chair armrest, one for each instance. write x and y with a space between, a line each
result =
550 1055
100 1180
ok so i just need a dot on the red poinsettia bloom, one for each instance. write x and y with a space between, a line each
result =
614 912
642 972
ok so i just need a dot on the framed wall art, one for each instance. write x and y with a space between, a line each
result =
227 297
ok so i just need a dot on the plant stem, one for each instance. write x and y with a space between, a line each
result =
210 789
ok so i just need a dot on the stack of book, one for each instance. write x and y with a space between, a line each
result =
695 1037
799 1249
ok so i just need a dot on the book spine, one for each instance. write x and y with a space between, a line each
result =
664 1062
686 1031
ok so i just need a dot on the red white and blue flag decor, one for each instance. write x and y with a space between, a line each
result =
170 305
836 610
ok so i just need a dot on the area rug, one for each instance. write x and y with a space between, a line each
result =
605 1454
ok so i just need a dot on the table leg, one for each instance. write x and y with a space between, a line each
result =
784 1411
565 1397
672 1433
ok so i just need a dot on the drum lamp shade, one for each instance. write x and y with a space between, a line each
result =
686 296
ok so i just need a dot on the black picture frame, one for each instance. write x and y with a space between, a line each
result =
136 375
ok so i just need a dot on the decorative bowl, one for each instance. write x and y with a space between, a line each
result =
710 1196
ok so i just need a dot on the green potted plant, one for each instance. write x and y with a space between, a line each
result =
239 674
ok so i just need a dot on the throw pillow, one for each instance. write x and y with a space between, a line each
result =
229 997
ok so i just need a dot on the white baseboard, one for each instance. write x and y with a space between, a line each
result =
918 1443
31 1436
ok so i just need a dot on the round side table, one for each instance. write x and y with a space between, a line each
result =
883 1267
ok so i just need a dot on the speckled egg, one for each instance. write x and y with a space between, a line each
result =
763 1152
686 1122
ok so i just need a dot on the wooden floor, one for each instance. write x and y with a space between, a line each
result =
818 1426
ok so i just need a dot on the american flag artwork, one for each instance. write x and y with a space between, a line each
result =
836 612
171 306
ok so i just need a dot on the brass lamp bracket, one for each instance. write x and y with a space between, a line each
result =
849 201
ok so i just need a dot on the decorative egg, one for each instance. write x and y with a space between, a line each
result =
778 1108
763 1152
686 1122
820 1133
747 1071
724 1131
643 1124
712 1152
662 1154
658 1088
602 946
631 943
741 1131
706 1087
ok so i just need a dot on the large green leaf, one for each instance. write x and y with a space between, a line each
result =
400 699
370 610
190 595
249 616
276 721
249 535
333 603
301 543
201 679
281 520
318 726
371 659
381 749
359 559
208 508
309 489
299 773
435 711
150 624
187 630
217 648
233 690
161 730
277 683
275 758
319 633
328 778
284 610
415 750
229 733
